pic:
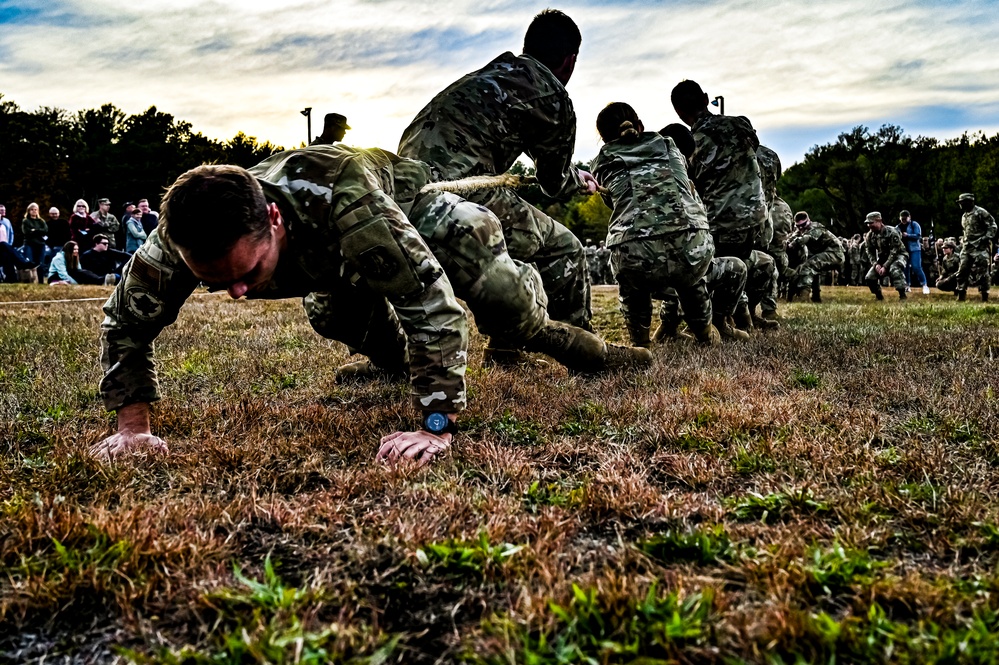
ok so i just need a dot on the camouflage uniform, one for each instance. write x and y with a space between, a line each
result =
726 282
591 263
976 252
727 175
858 263
606 274
480 125
108 225
949 265
886 249
506 296
761 282
658 231
824 253
367 278
783 223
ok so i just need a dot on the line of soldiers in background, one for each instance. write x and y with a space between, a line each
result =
950 264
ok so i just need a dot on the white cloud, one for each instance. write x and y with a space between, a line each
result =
230 65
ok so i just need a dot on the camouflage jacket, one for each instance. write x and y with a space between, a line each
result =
885 247
783 222
818 239
108 225
648 189
340 222
484 121
949 265
726 172
979 229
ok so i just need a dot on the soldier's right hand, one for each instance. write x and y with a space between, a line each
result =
129 443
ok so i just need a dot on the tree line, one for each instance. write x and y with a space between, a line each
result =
54 157
889 171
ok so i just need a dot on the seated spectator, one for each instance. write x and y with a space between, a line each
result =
65 268
81 225
34 230
104 261
135 235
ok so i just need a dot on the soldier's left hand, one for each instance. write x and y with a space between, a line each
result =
419 446
589 181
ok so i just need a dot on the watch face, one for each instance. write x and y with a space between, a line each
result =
435 422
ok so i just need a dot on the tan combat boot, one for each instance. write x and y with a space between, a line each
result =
499 353
729 331
365 370
742 318
709 336
584 352
767 320
670 332
639 335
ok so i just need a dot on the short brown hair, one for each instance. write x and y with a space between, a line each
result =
210 208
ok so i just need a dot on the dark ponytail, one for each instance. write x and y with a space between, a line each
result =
618 121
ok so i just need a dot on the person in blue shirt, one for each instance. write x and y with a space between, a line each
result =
912 236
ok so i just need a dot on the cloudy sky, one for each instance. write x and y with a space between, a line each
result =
801 71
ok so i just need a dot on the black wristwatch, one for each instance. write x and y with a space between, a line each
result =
438 423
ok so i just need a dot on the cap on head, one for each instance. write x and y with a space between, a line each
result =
104 200
951 244
336 120
873 217
904 213
53 209
966 197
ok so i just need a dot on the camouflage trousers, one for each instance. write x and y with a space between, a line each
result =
726 283
947 283
534 237
896 271
671 266
813 267
506 297
973 270
761 281
857 272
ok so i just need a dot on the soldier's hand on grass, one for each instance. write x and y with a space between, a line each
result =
127 443
134 435
419 446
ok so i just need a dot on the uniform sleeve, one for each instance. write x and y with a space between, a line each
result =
153 287
378 241
872 251
551 140
896 249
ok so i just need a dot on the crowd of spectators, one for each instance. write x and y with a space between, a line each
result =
85 248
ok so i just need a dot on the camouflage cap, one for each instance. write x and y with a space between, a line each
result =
104 200
336 120
966 197
872 217
951 244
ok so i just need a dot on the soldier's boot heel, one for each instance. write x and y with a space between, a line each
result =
743 318
669 331
500 353
901 294
767 321
583 352
729 331
816 293
709 336
962 296
365 370
640 335
985 296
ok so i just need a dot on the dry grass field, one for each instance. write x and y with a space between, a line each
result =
825 493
